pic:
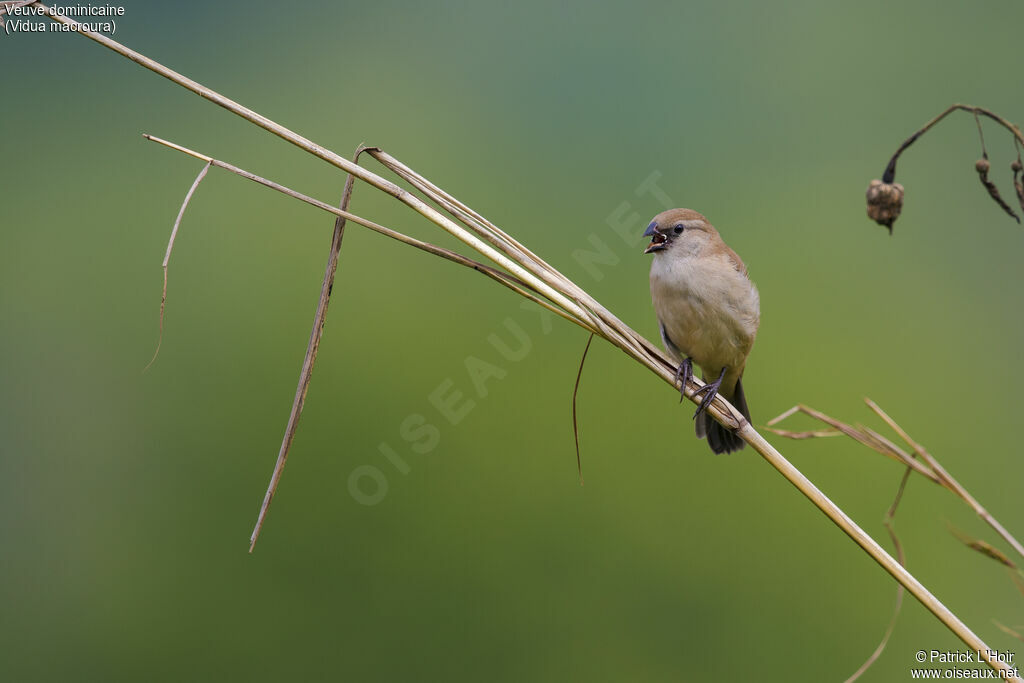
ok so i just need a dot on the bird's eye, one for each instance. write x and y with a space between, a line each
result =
678 229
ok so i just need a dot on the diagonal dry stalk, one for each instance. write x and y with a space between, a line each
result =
921 461
890 521
306 373
561 293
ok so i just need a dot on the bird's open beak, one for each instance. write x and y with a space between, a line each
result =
659 240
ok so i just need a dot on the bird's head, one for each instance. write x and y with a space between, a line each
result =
678 226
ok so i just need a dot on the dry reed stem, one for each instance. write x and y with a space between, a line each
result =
921 462
948 481
870 439
516 285
614 329
935 473
167 259
312 347
585 312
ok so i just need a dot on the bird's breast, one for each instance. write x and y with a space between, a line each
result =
709 310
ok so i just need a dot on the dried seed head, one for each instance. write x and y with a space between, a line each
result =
885 201
982 166
1018 184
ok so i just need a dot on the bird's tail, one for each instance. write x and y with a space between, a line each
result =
722 439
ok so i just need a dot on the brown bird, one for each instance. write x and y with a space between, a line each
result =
708 313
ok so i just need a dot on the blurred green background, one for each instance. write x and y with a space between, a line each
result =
126 499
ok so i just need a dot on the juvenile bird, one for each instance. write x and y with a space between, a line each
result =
708 312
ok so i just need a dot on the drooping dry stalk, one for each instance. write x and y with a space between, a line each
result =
167 259
575 424
983 166
577 305
890 169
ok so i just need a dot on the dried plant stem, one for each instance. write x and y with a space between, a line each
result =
890 169
585 311
862 539
315 334
516 285
890 519
575 424
947 480
921 461
1009 631
614 329
867 437
167 259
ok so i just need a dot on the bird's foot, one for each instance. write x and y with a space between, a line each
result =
684 372
710 390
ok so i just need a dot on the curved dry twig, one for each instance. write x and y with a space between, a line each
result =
167 259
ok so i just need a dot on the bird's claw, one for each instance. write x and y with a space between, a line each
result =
684 372
710 390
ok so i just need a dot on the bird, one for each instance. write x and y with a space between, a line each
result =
708 313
